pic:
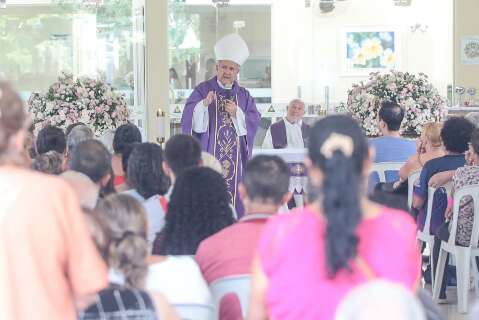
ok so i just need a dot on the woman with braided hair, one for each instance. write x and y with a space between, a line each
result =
309 260
119 227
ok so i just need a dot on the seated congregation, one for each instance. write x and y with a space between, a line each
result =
146 232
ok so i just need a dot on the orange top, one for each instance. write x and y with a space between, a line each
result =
47 257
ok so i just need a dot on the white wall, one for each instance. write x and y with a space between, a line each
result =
306 45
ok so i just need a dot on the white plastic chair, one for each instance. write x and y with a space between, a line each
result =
464 256
193 311
382 167
411 180
425 235
239 285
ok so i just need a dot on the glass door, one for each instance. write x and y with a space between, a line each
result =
194 28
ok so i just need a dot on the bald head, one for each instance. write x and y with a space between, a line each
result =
295 111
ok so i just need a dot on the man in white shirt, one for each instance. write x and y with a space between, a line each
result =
290 132
223 115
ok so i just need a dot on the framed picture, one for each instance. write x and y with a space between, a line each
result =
470 50
369 49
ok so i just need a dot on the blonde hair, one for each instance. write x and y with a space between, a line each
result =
13 118
209 161
432 132
125 223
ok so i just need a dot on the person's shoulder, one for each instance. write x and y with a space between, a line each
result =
398 218
212 242
42 181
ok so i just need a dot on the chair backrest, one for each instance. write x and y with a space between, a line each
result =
382 167
430 198
193 311
411 180
239 285
472 191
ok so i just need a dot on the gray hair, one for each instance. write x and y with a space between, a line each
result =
295 101
380 299
78 134
474 118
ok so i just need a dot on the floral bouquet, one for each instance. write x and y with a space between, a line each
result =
84 100
420 100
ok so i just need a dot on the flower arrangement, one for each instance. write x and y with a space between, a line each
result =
86 100
420 100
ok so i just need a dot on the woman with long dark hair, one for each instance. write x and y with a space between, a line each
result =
199 207
308 260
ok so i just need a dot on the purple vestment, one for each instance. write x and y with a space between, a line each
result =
221 139
279 137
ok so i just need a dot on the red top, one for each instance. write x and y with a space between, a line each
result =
119 180
230 252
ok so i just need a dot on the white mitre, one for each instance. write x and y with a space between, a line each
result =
233 48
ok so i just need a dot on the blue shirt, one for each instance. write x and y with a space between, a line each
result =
390 149
430 168
445 163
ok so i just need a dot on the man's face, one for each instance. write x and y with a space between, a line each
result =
227 71
295 111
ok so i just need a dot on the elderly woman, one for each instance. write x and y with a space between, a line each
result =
429 146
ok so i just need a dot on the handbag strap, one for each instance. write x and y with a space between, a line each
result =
365 269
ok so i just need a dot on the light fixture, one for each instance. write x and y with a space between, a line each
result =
327 6
402 3
220 3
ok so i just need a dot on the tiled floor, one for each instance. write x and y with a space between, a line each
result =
450 309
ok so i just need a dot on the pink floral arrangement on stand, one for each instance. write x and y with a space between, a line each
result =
419 98
71 100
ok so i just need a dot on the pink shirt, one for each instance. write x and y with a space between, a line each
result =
292 255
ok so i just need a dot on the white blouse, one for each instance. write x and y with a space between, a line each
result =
180 280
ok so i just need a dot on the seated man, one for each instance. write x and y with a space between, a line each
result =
391 147
291 132
230 251
91 158
455 135
182 151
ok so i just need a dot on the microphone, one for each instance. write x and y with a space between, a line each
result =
229 94
228 97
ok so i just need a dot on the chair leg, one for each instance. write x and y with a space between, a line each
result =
475 270
431 261
441 266
463 266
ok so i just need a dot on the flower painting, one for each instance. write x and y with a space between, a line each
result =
369 50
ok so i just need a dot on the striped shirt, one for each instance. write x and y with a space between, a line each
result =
122 303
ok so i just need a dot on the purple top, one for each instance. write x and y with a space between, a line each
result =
245 102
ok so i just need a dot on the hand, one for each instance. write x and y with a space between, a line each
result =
397 184
231 108
448 213
441 178
209 98
469 158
